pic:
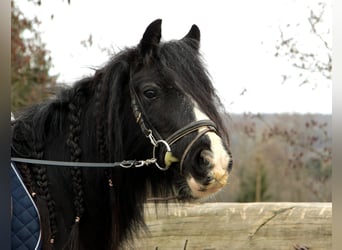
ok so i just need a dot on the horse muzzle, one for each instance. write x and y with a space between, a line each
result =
212 172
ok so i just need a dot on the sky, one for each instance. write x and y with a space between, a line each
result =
238 40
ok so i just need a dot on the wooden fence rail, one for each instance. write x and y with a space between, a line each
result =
213 226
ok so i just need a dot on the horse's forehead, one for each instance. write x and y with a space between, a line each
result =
176 67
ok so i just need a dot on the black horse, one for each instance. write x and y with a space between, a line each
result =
151 116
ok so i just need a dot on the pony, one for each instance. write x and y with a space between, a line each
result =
147 124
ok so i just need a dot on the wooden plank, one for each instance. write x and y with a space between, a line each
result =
217 226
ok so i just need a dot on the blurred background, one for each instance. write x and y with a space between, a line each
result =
270 62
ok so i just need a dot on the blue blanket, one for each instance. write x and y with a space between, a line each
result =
25 228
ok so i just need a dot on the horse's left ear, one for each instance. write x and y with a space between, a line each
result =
151 38
193 37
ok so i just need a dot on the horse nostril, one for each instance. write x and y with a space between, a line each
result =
208 180
206 163
205 158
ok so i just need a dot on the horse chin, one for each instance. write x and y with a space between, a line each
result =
200 191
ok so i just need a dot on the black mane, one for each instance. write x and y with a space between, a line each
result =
92 121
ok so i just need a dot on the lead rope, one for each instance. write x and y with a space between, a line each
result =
123 164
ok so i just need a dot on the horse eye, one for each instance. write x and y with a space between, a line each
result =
150 93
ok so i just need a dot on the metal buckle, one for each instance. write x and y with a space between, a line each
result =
126 164
139 164
152 139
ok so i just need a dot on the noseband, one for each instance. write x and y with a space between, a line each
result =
155 138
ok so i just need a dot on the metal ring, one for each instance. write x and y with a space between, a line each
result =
168 149
126 164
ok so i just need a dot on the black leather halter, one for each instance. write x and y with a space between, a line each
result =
155 138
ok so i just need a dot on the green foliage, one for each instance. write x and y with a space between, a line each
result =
318 170
30 61
254 185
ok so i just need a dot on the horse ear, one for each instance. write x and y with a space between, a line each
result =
151 38
193 37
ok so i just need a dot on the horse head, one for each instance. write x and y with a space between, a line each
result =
175 104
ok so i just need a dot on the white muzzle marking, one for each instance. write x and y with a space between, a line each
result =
218 158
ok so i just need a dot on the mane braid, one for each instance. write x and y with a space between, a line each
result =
27 178
108 102
101 100
73 143
100 110
23 138
44 200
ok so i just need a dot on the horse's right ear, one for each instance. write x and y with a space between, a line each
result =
151 38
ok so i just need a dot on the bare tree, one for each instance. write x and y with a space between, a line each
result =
307 46
30 62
